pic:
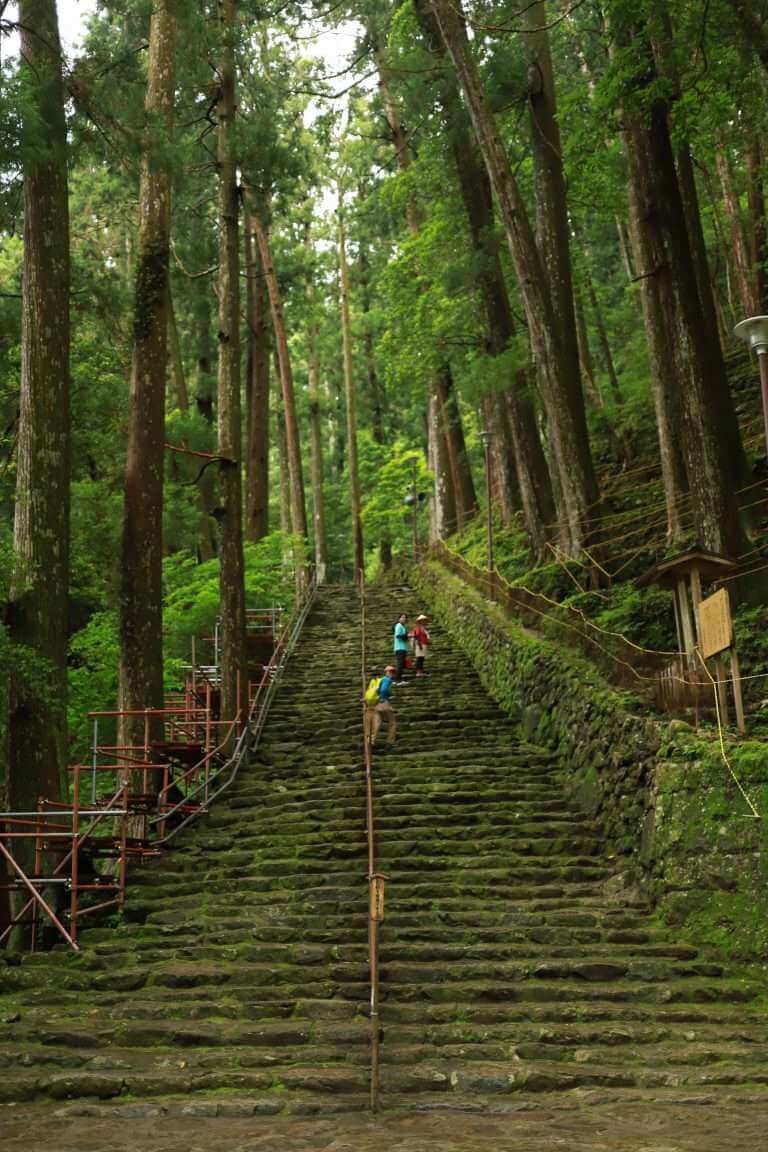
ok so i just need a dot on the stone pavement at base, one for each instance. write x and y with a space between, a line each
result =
600 1128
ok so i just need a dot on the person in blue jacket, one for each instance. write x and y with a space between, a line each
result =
384 708
401 645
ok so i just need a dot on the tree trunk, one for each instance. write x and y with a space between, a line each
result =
506 492
700 377
602 339
663 49
753 29
38 609
591 387
443 519
745 288
204 384
516 449
557 362
175 357
658 301
534 476
233 670
462 484
358 556
709 460
375 388
315 429
257 393
141 569
316 472
285 478
458 461
298 505
758 233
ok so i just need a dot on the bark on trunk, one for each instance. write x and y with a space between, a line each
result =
758 231
658 301
709 461
591 387
358 557
557 359
462 484
315 433
285 478
602 339
516 449
141 608
662 46
257 393
534 475
39 589
458 460
745 287
204 404
442 521
234 674
175 358
298 505
375 387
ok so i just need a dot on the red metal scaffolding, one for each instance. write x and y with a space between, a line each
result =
70 858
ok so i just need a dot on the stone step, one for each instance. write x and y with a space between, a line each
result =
550 1076
630 1054
108 1085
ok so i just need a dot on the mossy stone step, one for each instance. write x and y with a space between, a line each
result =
238 978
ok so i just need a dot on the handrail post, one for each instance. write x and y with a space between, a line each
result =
375 880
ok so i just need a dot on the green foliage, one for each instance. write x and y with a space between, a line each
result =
384 511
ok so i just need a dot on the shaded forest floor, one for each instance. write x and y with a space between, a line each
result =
579 1127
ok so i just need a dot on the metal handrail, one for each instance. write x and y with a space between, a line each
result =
257 715
247 743
375 879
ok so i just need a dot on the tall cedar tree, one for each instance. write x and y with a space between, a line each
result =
285 376
256 390
38 610
711 459
349 394
234 686
510 416
455 498
141 570
556 361
315 424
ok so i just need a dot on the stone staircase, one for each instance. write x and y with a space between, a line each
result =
238 983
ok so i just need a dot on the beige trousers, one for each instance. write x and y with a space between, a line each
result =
374 717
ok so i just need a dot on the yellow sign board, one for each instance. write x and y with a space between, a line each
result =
376 896
715 626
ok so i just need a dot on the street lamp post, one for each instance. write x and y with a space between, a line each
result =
754 332
485 437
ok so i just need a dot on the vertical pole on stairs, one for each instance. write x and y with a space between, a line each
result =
375 881
486 439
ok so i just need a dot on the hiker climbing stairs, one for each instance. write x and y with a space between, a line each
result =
237 982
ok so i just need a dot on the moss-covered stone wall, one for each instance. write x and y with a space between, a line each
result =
670 812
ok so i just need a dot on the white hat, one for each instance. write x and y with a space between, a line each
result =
421 618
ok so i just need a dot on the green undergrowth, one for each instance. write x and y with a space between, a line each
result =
628 526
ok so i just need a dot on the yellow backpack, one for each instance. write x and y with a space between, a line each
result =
372 691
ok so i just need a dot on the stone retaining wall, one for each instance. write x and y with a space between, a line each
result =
668 809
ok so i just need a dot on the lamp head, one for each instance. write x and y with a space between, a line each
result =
754 332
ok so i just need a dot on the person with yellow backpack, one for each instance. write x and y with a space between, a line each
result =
378 704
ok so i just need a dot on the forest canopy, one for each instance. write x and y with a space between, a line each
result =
294 288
